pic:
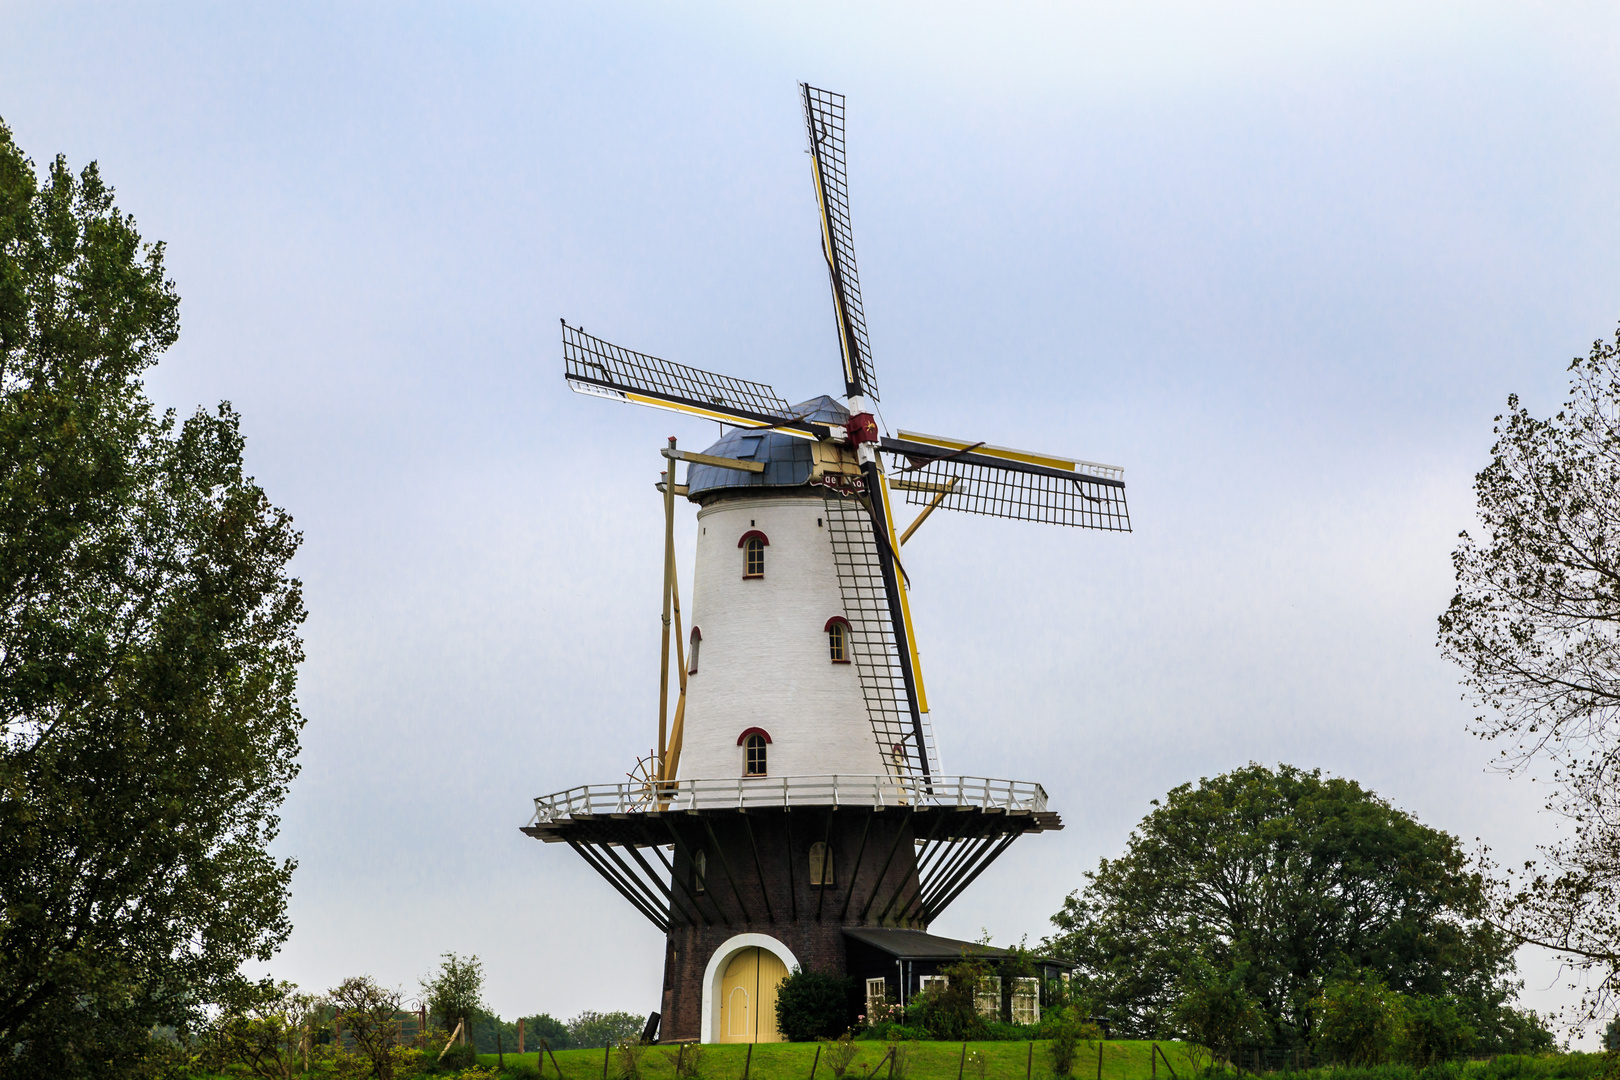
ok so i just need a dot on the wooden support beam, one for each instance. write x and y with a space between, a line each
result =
722 462
793 888
939 819
725 865
680 845
759 870
669 579
602 868
676 879
899 833
936 908
826 857
929 509
855 867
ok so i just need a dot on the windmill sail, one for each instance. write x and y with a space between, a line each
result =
603 369
879 660
824 116
954 474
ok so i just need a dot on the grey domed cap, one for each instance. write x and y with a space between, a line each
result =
786 457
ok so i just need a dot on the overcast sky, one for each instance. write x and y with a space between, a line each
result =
1282 262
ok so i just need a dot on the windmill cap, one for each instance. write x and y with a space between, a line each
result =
786 457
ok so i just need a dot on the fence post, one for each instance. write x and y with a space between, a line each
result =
1099 1059
1029 1066
963 1063
607 1055
815 1061
520 1036
747 1061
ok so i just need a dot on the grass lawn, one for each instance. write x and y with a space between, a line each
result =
1123 1060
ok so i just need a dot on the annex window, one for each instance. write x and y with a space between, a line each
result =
754 741
692 651
1026 1001
821 864
987 998
753 544
877 997
700 870
838 639
929 982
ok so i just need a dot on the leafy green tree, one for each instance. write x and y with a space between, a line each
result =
813 1005
148 654
1286 877
547 1027
455 993
370 1014
1535 626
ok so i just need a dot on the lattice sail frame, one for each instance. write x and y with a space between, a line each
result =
824 119
873 648
602 368
977 485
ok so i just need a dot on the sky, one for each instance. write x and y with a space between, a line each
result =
1281 262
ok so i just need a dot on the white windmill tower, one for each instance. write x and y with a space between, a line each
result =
794 811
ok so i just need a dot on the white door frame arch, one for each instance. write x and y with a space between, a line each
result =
717 968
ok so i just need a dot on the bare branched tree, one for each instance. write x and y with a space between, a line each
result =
1535 626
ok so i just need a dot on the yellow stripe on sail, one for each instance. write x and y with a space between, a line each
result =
1025 456
827 250
710 414
905 605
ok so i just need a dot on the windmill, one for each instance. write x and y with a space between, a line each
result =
768 734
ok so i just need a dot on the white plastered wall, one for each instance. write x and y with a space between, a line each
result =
764 659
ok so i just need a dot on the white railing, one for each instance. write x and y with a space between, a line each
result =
836 790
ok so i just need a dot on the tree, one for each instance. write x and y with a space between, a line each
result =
268 1030
596 1030
369 1012
547 1027
454 994
1277 879
1535 626
148 653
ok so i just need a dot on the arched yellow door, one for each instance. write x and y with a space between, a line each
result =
748 997
771 973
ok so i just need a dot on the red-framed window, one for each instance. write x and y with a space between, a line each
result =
838 643
753 545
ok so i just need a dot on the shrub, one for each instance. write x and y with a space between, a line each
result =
1357 1020
812 1005
456 1057
1216 1010
522 1069
839 1053
629 1058
951 1011
1067 1028
1434 1031
685 1061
